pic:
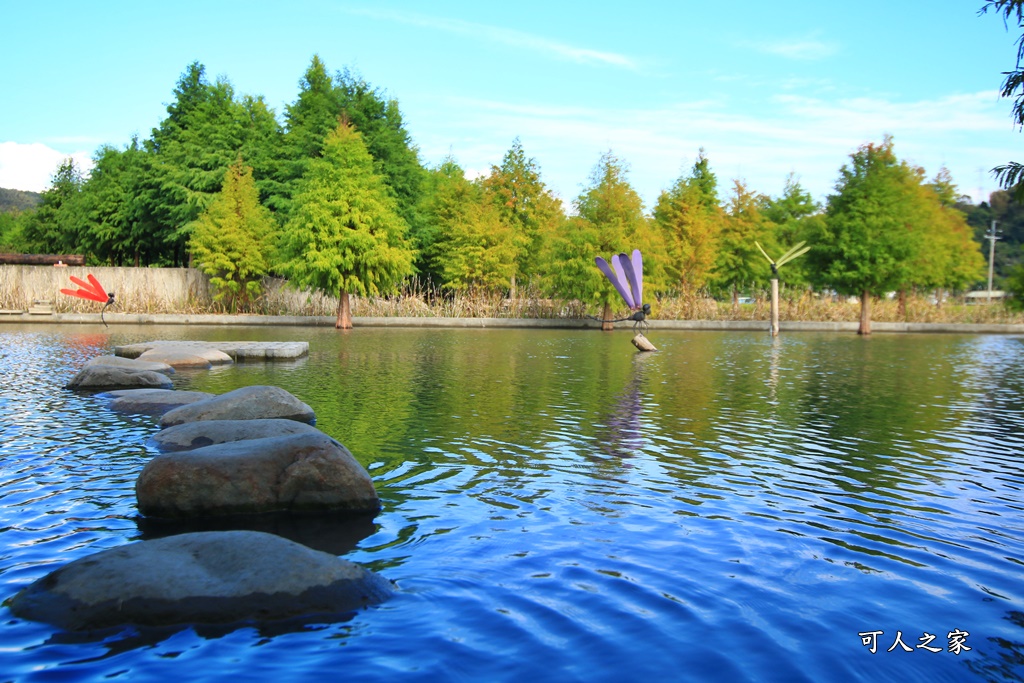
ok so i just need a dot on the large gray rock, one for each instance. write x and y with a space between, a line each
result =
131 364
247 403
152 401
239 350
191 435
295 473
114 376
186 356
209 577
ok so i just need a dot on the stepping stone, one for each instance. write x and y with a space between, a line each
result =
152 401
191 435
213 577
247 403
294 473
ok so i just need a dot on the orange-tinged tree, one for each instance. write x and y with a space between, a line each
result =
690 223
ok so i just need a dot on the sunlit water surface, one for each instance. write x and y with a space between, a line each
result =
558 507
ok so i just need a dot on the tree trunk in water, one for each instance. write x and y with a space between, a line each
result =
901 309
607 315
344 321
775 307
865 314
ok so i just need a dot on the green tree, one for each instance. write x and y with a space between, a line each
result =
690 222
56 226
205 130
867 245
1008 212
308 122
472 248
12 226
1015 287
232 241
609 220
791 215
525 206
111 199
378 118
345 234
1011 174
739 263
262 146
951 258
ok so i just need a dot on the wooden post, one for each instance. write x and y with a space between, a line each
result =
643 343
775 307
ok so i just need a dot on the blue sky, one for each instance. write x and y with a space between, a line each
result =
766 88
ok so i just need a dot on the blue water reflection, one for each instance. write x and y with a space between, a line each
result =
559 507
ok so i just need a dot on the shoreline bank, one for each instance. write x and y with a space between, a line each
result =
516 323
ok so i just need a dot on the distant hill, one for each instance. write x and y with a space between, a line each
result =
18 200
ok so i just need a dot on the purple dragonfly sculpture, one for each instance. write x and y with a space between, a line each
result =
627 276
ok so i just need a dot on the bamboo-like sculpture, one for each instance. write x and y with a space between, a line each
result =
798 250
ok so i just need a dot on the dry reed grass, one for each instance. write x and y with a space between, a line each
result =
183 291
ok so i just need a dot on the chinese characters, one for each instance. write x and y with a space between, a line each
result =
956 642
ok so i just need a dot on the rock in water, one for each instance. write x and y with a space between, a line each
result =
213 577
191 435
131 364
295 473
113 376
186 356
152 401
247 403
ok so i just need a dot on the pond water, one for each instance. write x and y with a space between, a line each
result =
558 507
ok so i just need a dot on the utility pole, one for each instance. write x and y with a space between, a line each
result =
991 236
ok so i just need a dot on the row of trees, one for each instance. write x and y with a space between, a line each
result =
335 197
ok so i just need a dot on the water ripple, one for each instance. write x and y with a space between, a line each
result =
556 508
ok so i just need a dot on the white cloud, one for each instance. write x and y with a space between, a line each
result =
30 167
800 49
510 37
805 49
813 137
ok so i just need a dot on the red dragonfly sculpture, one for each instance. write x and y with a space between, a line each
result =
91 290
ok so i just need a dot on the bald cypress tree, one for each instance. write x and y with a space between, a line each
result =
345 235
472 248
690 222
609 220
232 240
871 237
526 206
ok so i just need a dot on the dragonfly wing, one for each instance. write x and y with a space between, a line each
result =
625 270
633 278
91 290
83 294
620 264
97 287
613 278
638 283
